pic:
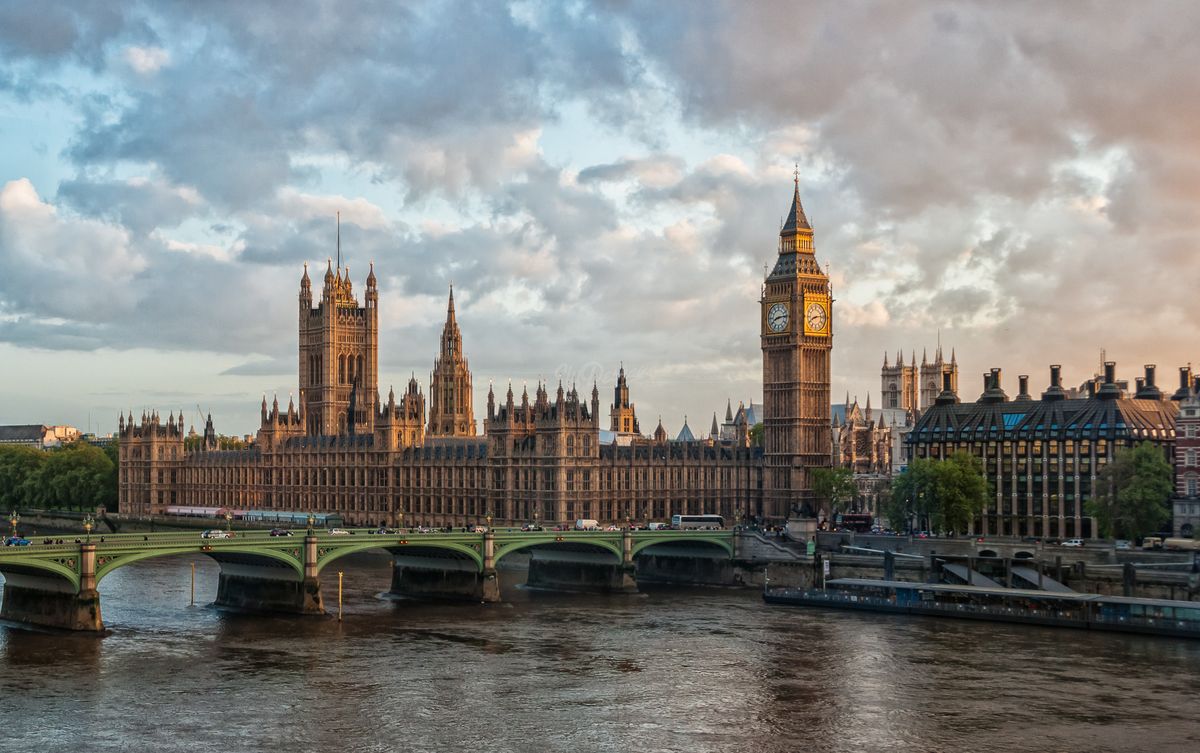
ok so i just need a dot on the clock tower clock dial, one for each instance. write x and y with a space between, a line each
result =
796 371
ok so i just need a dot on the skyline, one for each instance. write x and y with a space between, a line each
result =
578 173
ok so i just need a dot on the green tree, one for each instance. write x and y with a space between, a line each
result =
835 486
940 495
961 491
1130 497
75 476
911 503
19 467
756 435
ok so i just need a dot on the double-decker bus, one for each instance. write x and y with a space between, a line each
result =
681 522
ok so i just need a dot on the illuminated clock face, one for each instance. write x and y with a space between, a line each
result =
815 317
777 318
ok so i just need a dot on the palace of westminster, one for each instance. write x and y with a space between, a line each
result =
412 459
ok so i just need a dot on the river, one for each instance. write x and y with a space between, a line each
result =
685 670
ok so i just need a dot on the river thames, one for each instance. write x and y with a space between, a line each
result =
668 670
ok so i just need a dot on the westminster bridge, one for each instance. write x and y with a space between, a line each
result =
56 585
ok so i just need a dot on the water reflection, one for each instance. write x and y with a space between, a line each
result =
672 669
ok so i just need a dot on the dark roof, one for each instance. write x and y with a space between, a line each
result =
1092 418
22 433
796 220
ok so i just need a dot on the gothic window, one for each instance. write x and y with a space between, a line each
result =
1192 488
342 369
359 370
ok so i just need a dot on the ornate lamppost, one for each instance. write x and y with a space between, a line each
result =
400 519
228 521
312 520
488 518
88 523
14 517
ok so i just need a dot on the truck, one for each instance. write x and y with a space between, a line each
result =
587 525
1152 542
1181 545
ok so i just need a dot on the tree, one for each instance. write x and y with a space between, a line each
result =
1130 497
77 476
942 495
961 491
912 496
19 467
835 486
756 435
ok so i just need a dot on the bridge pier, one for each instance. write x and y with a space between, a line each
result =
46 600
594 572
254 584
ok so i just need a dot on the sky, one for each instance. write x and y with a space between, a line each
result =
602 183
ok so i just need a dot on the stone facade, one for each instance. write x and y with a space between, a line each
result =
797 338
343 450
450 412
1186 504
915 388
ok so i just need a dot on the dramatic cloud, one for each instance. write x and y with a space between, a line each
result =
601 182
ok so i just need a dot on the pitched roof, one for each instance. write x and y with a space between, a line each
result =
23 433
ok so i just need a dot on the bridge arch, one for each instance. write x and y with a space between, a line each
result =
106 563
41 566
413 547
725 543
559 543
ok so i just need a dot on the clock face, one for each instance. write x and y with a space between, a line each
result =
815 318
777 318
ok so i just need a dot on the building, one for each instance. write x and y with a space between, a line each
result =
797 338
1186 504
869 441
342 449
914 388
38 435
1041 456
450 413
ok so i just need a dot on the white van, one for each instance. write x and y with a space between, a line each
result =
658 526
587 525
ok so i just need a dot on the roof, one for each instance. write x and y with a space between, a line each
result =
1092 418
23 433
796 219
685 434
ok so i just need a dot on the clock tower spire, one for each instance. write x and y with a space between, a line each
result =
797 340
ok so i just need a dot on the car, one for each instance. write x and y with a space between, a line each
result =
1122 544
216 534
280 532
1073 542
612 528
383 531
16 541
477 529
531 528
338 532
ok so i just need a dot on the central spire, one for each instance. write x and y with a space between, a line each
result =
796 221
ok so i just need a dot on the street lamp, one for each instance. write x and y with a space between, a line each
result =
14 517
312 520
88 522
228 521
488 518
400 518
628 523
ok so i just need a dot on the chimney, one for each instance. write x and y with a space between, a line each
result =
1055 390
994 393
947 395
1185 383
1109 389
1023 381
1147 389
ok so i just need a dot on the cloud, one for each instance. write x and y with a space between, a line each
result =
146 60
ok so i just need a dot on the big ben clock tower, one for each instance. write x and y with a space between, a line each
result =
797 337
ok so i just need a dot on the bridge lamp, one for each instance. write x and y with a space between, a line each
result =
400 518
228 521
14 517
88 523
312 520
488 518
